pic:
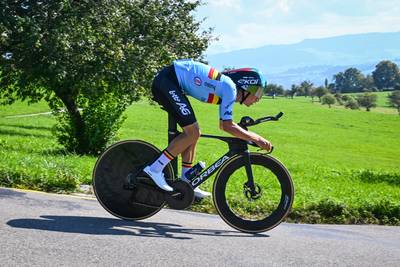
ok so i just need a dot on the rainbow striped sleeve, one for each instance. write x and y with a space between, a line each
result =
213 99
213 74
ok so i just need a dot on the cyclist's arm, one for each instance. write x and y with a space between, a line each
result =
232 128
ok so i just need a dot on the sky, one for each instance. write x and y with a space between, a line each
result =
243 24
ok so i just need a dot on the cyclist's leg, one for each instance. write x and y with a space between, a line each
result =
188 157
167 92
185 141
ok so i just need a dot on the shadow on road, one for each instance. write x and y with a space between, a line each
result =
9 193
110 226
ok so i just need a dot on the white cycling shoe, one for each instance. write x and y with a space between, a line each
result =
158 178
198 193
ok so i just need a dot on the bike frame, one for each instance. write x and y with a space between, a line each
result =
236 147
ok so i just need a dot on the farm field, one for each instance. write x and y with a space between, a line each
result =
344 163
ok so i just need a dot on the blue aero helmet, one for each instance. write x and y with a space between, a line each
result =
248 79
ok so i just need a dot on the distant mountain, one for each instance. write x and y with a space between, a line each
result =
317 74
314 59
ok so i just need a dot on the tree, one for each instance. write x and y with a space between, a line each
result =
347 97
394 100
328 99
320 91
386 74
312 94
306 88
351 103
339 98
299 90
367 100
91 58
326 83
331 88
293 90
349 81
368 83
274 89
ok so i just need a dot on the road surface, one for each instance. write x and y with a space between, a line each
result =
38 229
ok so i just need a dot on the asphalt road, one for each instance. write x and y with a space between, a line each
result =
38 229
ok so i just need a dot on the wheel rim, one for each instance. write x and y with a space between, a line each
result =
256 208
253 223
109 177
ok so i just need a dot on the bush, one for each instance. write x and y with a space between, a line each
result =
328 99
347 97
394 100
102 116
339 98
351 104
367 100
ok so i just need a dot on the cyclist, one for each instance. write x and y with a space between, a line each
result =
188 77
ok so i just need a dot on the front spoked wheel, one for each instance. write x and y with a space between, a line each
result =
259 210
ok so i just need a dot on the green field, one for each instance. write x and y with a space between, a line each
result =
344 163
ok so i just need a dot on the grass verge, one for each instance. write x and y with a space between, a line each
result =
344 163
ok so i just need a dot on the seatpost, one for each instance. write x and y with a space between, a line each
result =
172 133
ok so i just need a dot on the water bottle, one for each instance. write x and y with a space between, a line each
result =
195 170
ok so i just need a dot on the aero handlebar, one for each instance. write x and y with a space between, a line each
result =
247 121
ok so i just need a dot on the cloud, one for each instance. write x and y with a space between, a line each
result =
251 23
245 35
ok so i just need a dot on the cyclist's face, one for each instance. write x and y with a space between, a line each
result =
250 100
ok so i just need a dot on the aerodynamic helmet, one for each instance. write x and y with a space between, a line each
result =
248 79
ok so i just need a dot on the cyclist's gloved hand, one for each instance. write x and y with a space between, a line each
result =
264 144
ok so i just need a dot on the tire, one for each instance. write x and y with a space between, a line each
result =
111 172
258 215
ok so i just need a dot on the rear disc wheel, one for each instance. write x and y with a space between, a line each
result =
111 173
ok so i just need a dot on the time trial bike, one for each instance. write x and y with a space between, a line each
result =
252 192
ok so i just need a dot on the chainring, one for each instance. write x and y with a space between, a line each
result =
146 193
182 196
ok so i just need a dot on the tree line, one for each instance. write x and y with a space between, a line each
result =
385 77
